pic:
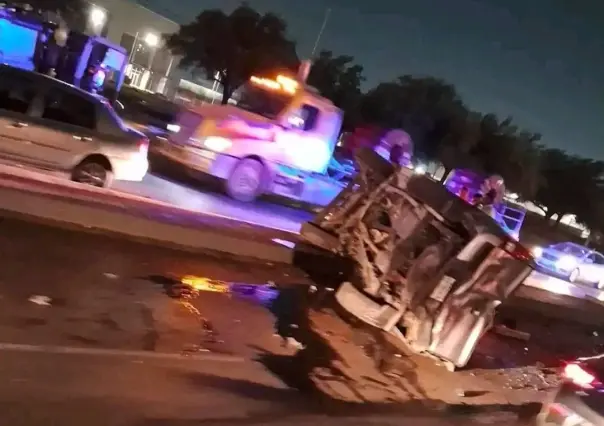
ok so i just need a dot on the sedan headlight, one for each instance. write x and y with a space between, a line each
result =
217 144
174 128
566 262
537 251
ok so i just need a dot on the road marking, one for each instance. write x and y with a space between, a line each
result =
69 350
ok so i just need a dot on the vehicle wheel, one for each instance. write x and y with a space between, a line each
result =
246 182
574 275
92 172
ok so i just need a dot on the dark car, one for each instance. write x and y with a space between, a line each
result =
150 113
580 399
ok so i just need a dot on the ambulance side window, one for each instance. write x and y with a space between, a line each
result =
305 118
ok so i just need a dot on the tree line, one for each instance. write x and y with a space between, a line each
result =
231 47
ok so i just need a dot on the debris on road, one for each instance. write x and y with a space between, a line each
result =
510 332
40 300
110 276
205 284
536 378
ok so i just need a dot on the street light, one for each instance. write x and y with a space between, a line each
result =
97 17
151 40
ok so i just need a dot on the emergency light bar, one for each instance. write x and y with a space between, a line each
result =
282 82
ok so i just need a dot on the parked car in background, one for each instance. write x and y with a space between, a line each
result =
579 401
149 113
50 124
571 261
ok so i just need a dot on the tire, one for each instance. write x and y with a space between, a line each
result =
572 277
247 180
92 172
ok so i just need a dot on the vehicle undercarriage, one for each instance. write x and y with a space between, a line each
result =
429 267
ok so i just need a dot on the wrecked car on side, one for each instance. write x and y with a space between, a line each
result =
429 267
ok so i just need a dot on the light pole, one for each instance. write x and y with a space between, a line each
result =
321 31
151 40
97 18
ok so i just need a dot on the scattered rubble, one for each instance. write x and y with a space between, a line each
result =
40 300
509 332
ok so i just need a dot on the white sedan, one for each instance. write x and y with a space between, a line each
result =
574 262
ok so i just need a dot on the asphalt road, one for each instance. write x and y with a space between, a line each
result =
111 293
102 343
74 390
169 184
110 347
40 389
201 197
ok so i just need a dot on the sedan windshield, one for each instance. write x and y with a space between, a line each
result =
571 249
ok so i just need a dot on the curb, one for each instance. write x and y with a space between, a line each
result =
110 199
72 350
56 211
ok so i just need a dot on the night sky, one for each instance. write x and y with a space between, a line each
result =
540 61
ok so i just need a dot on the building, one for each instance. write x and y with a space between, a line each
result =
140 31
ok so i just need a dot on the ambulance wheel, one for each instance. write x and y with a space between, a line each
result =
246 181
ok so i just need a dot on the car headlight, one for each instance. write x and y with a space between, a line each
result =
537 251
217 144
174 128
566 262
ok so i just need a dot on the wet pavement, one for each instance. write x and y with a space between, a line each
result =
98 306
92 332
107 293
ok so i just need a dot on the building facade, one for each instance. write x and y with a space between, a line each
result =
141 32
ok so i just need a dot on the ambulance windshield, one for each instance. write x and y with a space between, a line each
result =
267 103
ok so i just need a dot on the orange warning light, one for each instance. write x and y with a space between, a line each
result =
282 82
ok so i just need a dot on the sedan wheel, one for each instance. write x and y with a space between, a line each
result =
91 173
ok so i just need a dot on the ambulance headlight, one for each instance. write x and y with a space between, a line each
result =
218 144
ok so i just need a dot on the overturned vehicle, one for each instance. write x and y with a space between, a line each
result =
429 267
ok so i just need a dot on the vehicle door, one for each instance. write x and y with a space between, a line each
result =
592 270
64 126
305 147
17 94
485 272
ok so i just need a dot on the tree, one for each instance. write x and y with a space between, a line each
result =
339 79
431 111
571 184
504 150
234 46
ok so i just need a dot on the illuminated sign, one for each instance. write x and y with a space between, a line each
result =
283 83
